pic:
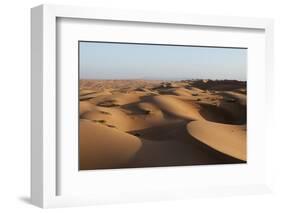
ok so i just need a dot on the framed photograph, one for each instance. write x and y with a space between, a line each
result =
130 106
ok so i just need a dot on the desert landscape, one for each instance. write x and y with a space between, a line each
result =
154 123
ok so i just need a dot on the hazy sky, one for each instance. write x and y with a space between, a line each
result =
163 62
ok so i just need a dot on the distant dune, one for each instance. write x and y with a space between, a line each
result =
142 123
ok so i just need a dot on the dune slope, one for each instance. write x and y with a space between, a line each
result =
228 139
177 107
102 147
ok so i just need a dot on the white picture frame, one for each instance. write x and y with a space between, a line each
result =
45 167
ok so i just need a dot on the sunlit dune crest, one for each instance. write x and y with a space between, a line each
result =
226 138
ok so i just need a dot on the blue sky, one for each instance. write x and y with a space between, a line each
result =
162 62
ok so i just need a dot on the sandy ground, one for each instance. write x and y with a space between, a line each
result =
139 123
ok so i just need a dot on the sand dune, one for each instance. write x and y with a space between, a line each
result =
150 108
177 107
185 92
85 106
118 98
140 123
240 98
228 139
104 147
171 145
115 118
86 92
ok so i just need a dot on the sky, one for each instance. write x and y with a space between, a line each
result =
101 60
